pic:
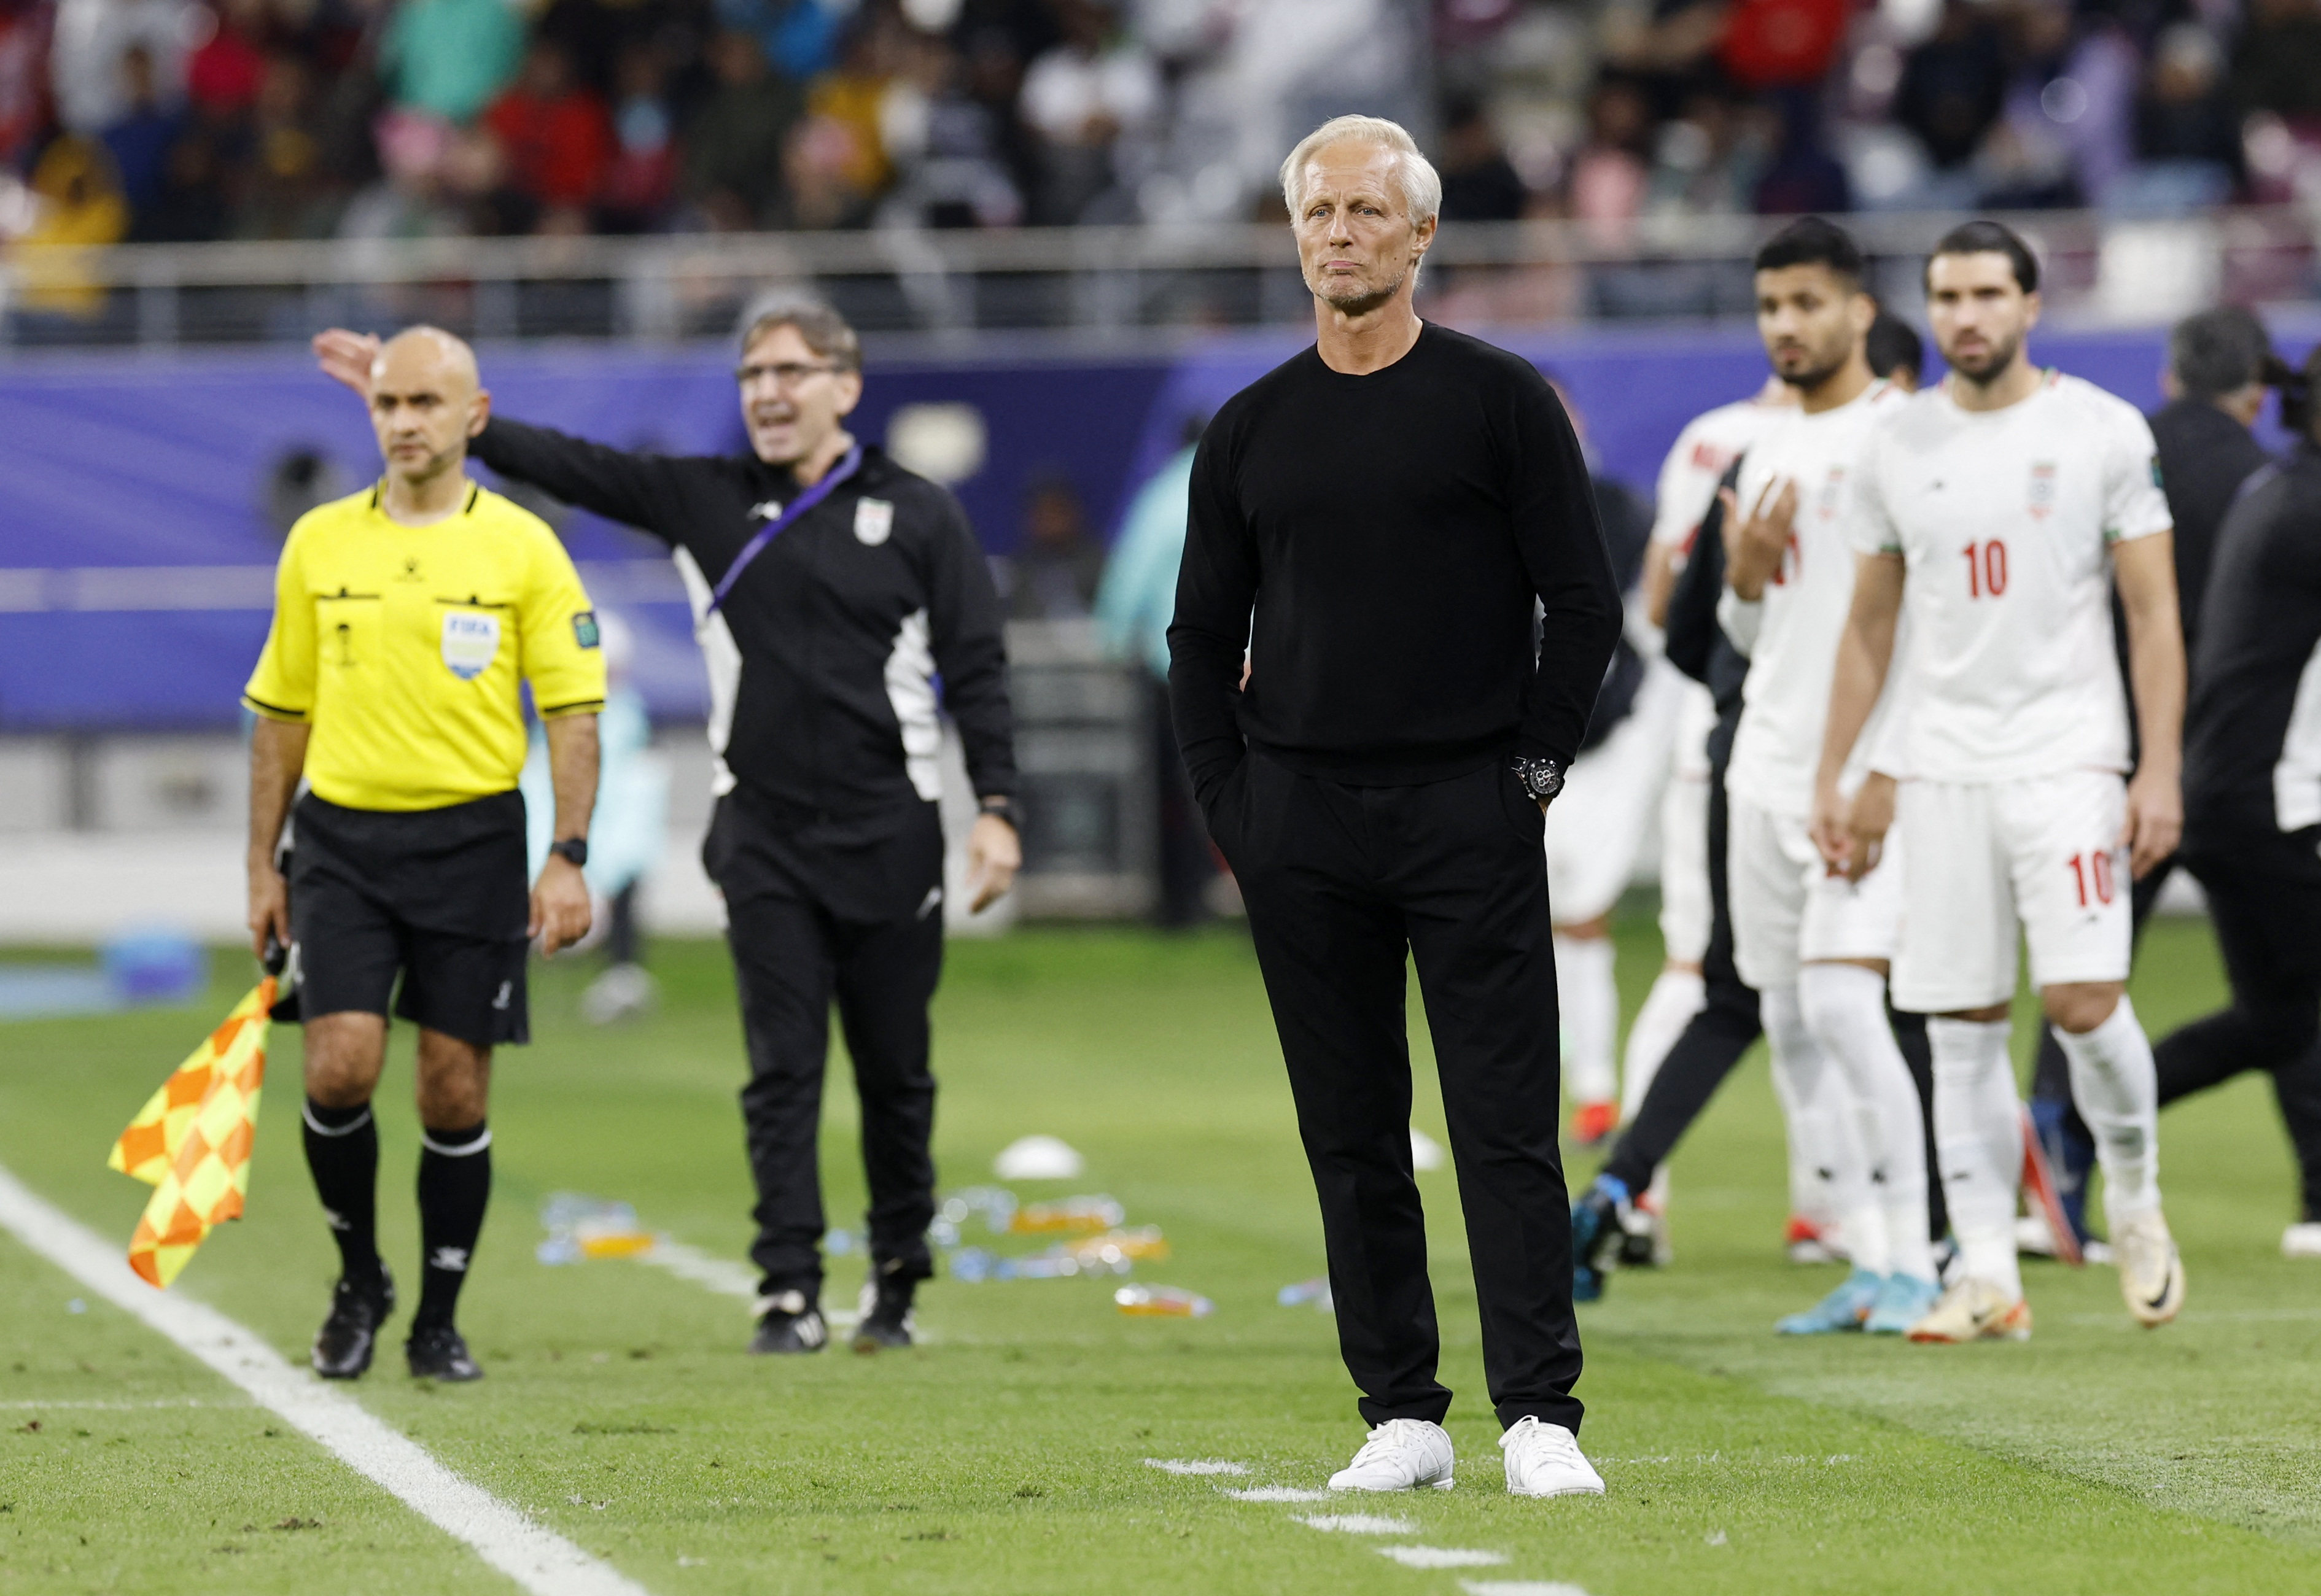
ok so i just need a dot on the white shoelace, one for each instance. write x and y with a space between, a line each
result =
1551 1443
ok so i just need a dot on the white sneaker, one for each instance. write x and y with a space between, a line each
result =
2301 1240
1401 1454
1544 1460
2151 1275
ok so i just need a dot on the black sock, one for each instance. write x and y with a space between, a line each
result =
455 1182
342 1153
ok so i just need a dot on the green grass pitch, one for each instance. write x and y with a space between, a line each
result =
1006 1456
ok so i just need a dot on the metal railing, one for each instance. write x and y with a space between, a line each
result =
1082 279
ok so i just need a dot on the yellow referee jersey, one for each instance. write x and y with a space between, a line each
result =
404 649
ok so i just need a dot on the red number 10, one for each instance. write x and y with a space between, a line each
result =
2092 870
1985 568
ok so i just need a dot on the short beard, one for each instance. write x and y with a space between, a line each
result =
1361 304
1806 381
2002 360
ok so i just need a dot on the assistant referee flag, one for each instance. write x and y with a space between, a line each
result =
403 647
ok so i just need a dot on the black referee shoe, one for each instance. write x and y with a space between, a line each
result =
790 1324
439 1352
344 1345
885 1311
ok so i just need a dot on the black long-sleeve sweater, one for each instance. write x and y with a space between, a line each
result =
821 657
1388 533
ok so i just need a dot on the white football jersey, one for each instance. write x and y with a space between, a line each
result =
2005 521
1785 702
1703 453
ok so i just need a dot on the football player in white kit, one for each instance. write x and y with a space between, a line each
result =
1814 943
1994 508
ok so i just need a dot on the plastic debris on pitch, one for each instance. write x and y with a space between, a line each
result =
995 1203
580 1226
1071 1216
1038 1158
1308 1293
1161 1302
1115 1252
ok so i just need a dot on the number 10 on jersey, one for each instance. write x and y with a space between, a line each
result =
1985 568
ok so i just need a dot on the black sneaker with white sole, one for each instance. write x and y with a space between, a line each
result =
886 1320
789 1323
439 1352
349 1336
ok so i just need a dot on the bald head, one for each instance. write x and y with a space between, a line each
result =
426 400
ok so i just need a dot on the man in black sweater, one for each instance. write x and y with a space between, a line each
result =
1397 525
831 588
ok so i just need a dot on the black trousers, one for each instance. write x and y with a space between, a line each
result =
2264 899
820 909
1342 883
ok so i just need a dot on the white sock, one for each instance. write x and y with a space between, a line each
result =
1591 1016
1978 1137
2118 1094
1845 1009
1675 998
1822 1130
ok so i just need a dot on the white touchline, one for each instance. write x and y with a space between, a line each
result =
537 1559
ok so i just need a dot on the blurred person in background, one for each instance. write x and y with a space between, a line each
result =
2253 799
2219 365
1054 572
79 210
627 834
1133 605
1089 98
1478 182
556 136
1894 352
139 139
2188 133
88 39
450 58
732 147
1954 86
2276 58
641 175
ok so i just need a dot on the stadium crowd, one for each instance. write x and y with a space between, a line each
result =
182 120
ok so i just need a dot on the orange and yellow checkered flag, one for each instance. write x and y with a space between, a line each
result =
191 1141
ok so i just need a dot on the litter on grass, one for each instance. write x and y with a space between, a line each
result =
1441 1557
1038 1158
1359 1524
1117 1252
580 1226
1314 1293
1425 1152
1163 1302
1196 1465
1074 1216
995 1203
1277 1493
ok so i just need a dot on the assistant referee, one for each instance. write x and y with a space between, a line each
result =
407 620
831 590
1391 509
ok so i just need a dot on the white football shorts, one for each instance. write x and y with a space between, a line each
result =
1596 827
1685 906
1788 910
1981 858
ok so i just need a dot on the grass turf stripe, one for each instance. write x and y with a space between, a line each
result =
537 1559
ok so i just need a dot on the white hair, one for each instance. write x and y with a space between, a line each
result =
1422 186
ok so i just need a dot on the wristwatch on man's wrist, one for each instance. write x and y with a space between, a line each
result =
1002 806
1542 778
572 848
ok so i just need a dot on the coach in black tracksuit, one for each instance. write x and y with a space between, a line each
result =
821 652
1389 533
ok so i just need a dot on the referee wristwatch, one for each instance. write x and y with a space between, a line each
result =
574 848
1542 778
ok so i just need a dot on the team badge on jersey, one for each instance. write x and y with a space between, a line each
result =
472 641
2042 489
874 522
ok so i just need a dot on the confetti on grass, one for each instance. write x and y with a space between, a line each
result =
1196 1465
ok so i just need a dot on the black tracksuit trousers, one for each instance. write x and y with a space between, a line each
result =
818 909
1341 883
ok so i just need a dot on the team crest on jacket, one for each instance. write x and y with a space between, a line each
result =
472 641
874 522
2042 489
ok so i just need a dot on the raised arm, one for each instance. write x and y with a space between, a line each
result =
1865 651
1216 590
2145 570
1553 509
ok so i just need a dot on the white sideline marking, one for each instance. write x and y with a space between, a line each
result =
1196 1465
1277 1493
536 1558
1359 1524
1441 1558
723 1276
1520 1588
127 1407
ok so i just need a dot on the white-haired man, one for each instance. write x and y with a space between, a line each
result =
1376 519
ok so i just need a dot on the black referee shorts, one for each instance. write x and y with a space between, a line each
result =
438 896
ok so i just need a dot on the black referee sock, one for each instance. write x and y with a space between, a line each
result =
343 1154
455 1182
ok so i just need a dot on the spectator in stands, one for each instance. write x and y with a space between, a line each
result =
2277 64
1087 97
286 194
1608 175
556 136
89 40
224 74
947 145
139 139
854 96
189 205
23 79
1478 182
643 176
1707 161
450 58
81 209
2186 133
1954 86
734 147
1053 575
799 37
